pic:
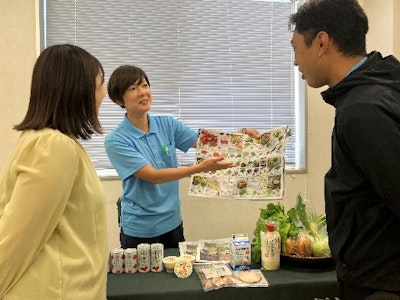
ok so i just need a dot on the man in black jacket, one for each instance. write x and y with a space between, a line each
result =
362 188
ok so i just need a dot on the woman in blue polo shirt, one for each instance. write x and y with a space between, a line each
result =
142 149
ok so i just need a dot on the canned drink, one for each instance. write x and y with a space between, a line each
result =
143 251
109 262
157 255
117 261
131 260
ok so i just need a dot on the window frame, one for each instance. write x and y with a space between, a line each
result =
299 101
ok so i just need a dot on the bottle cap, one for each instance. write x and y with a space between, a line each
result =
270 227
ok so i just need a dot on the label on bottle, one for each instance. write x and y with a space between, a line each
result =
270 250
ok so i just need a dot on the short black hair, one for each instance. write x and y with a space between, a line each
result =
344 20
122 78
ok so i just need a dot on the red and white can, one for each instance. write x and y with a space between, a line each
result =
131 261
143 251
157 255
117 261
109 262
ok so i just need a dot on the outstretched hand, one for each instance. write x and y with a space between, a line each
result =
215 163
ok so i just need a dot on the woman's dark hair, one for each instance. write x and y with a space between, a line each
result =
121 79
344 20
63 92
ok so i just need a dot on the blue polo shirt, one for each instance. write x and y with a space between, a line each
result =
148 210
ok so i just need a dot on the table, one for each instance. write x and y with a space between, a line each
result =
291 283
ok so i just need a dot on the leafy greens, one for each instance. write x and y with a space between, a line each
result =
289 225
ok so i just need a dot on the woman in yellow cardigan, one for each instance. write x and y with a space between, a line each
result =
53 242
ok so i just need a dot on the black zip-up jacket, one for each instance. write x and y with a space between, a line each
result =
362 188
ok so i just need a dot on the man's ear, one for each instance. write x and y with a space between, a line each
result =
323 41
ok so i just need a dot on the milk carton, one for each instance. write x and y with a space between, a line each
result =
240 251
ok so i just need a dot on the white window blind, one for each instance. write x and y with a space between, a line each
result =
221 64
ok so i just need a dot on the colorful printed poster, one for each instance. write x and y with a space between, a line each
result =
259 165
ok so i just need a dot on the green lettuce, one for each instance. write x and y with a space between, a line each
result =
284 224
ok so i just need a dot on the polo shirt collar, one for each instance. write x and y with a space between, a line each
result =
137 133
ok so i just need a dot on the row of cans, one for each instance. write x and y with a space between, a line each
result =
146 258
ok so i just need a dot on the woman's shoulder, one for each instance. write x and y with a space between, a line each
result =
50 140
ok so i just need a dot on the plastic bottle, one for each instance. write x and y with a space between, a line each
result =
270 248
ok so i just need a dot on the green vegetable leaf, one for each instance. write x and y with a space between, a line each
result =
287 224
312 222
283 223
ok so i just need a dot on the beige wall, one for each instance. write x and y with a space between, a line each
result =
17 55
203 217
384 24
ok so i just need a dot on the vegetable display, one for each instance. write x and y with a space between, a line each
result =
303 233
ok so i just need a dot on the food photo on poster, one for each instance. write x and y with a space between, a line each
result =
259 164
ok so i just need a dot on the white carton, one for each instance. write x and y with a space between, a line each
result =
240 252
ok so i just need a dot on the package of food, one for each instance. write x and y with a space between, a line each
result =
183 268
188 247
189 257
169 263
249 278
299 246
214 276
214 250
